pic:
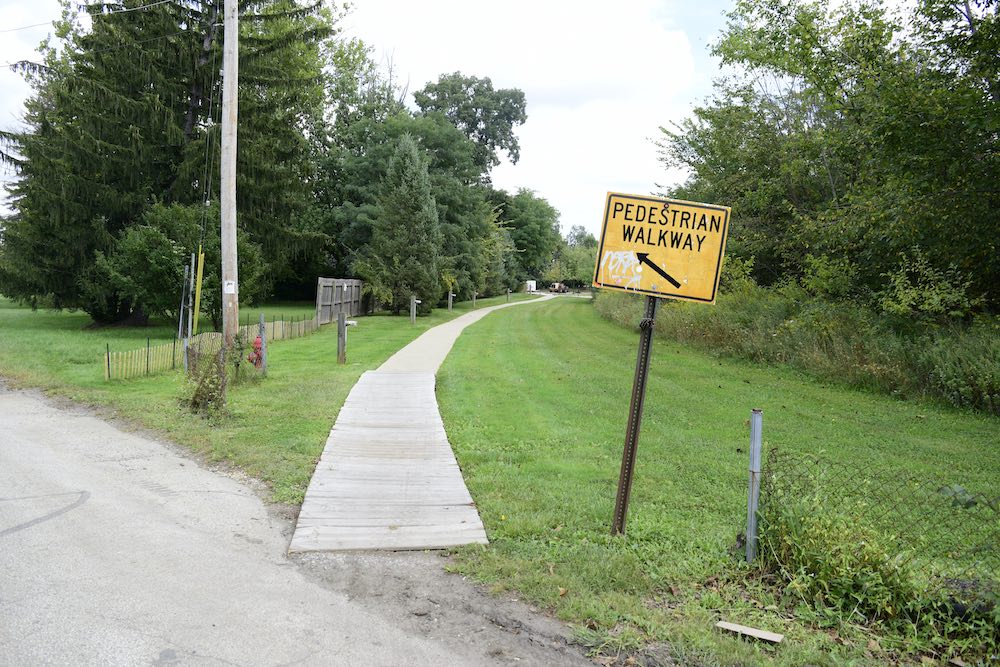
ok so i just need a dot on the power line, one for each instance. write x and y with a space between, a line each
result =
110 48
82 7
25 27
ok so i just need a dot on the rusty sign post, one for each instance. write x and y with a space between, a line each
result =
662 248
634 415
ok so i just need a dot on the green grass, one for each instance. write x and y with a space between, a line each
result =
535 402
275 429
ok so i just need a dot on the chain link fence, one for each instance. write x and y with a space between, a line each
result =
947 535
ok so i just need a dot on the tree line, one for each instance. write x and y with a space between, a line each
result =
117 166
859 151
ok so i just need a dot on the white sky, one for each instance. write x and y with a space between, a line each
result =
599 78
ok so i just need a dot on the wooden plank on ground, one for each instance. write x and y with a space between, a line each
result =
747 631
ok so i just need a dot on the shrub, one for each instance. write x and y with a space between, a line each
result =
832 562
918 289
842 341
962 365
207 382
847 571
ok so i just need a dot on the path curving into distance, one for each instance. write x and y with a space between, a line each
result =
387 478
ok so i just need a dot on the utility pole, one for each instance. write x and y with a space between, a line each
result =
227 182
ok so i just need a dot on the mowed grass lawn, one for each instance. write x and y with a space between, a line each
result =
275 429
535 401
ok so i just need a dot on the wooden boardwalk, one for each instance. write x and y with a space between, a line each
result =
388 478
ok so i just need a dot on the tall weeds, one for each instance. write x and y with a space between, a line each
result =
957 363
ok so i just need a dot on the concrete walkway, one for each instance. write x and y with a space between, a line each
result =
388 478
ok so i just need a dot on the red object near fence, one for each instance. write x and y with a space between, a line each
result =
255 357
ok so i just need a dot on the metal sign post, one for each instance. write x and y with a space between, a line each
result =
341 337
663 248
634 415
262 332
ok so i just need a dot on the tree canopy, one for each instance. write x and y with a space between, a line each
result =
126 115
485 115
858 150
117 166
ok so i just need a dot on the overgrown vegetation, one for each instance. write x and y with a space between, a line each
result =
835 567
544 484
841 341
857 146
860 139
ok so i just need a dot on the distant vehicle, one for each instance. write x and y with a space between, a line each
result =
558 288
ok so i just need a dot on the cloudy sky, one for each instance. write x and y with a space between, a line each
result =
599 78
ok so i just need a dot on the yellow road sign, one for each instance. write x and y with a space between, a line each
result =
662 247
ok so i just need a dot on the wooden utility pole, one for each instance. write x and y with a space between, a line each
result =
227 183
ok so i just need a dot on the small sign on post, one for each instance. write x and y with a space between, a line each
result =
413 308
663 248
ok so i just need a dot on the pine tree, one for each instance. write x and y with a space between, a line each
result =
402 258
126 115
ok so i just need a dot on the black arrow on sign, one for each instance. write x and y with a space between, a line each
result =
644 259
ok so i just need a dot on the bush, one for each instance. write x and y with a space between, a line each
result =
831 562
207 382
842 341
847 571
918 289
962 365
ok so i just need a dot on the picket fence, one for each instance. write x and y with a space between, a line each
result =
164 357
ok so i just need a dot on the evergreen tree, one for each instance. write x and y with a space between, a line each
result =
534 229
126 115
402 258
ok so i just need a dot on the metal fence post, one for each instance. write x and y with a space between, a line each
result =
342 337
753 491
263 345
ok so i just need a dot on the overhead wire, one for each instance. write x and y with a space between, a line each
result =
81 7
209 150
111 48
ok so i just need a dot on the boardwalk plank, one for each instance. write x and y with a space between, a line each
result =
387 478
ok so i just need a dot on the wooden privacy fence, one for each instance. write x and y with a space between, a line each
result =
163 357
336 295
